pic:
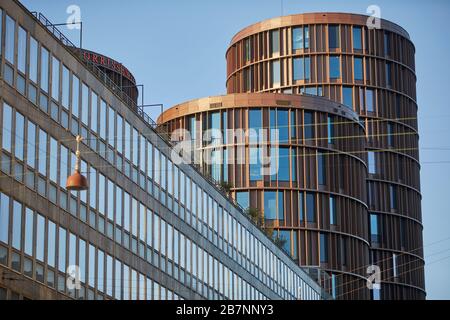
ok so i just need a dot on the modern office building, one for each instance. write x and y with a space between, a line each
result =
369 71
149 227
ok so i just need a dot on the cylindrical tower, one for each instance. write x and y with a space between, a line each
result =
298 160
372 71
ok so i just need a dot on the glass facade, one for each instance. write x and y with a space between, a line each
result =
136 224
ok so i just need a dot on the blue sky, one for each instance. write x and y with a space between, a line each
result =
176 48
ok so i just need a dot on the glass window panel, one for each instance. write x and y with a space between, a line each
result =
92 269
7 127
31 144
65 87
42 152
109 275
51 244
335 67
53 160
369 100
309 125
84 103
110 196
297 38
10 28
126 211
283 125
283 167
44 69
323 247
255 164
100 270
333 36
270 205
75 95
33 59
307 68
55 78
299 70
332 210
101 194
103 119
371 162
127 139
29 231
119 133
135 146
275 73
92 187
62 250
40 237
4 218
111 126
357 39
22 50
118 280
19 136
118 210
306 28
72 249
134 216
358 72
17 225
275 41
310 207
82 259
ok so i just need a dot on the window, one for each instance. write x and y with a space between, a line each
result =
29 231
310 207
100 270
330 129
371 162
333 36
4 218
62 250
103 120
85 104
299 70
44 69
255 164
298 38
53 160
17 225
283 125
321 168
270 205
388 75
40 237
390 135
335 67
19 136
306 28
9 39
347 93
254 123
135 146
374 234
21 50
247 49
369 100
357 39
358 72
75 95
33 59
393 196
283 167
274 42
394 265
332 211
92 276
51 245
323 248
7 127
301 206
309 126
65 87
119 133
101 194
55 78
275 73
242 198
387 44
42 152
